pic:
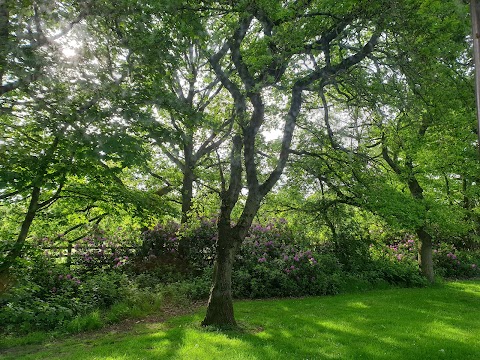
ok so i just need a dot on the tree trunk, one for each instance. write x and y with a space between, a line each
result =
220 303
187 191
425 253
425 258
30 215
187 196
18 246
4 31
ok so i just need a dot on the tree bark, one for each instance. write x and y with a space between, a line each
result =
4 31
220 302
187 196
425 253
187 190
425 258
220 306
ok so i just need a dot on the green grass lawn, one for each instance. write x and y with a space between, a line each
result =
441 322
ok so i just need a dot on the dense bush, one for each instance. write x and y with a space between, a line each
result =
453 263
47 294
99 251
449 262
176 253
175 264
270 264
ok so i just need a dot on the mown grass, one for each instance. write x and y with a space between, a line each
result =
441 322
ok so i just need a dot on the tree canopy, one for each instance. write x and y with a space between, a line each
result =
153 107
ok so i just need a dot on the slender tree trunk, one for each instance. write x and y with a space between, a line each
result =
187 195
187 192
425 258
466 199
220 303
4 30
475 15
16 251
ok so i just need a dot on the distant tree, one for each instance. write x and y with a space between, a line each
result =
402 108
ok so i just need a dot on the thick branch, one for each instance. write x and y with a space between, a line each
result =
230 197
295 105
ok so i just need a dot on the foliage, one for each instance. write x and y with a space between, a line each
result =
187 249
271 264
140 109
99 251
48 295
457 264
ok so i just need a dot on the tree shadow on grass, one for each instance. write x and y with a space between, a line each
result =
396 325
147 344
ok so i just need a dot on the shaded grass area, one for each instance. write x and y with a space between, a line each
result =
441 322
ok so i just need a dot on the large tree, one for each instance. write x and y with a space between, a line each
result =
61 131
267 49
401 109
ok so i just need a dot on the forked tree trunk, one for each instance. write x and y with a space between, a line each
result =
425 257
220 303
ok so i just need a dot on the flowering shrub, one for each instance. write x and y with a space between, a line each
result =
97 252
170 248
448 261
453 263
270 264
41 299
161 241
197 244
